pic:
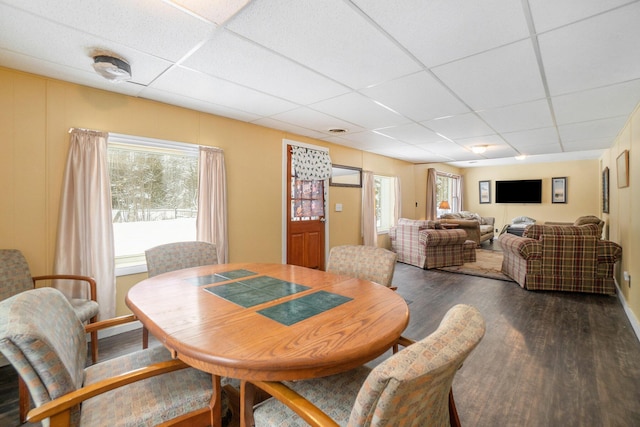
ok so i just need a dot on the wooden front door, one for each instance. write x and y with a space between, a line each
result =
305 220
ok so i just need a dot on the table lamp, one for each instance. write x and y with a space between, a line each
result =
444 205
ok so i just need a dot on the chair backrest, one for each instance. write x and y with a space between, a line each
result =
179 255
41 336
15 276
412 387
363 262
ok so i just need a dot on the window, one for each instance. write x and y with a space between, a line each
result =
447 189
385 194
154 188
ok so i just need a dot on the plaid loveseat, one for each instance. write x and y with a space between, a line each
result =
561 258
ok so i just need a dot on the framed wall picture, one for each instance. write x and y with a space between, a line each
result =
559 190
605 190
485 191
622 169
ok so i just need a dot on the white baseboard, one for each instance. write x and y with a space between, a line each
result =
116 330
630 315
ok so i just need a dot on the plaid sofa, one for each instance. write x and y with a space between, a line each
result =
561 258
417 242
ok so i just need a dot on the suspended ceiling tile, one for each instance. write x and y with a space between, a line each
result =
67 49
607 129
533 137
311 119
549 14
151 26
198 105
442 31
237 60
529 115
587 144
328 36
596 52
218 11
418 96
462 126
360 110
499 77
411 133
288 127
366 140
599 103
199 86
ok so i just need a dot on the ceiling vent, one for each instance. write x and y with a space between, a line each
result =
111 68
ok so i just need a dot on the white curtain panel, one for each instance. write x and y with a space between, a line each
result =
397 209
432 203
211 223
84 243
369 232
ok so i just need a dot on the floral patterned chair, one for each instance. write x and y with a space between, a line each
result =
44 340
363 262
412 387
15 277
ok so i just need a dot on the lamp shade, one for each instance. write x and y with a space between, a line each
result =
444 205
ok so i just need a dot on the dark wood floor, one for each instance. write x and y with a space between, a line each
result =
547 359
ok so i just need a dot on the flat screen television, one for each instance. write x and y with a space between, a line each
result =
519 191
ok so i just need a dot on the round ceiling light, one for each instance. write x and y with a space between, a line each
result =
479 149
111 68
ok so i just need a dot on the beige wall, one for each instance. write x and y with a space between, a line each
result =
36 114
624 225
583 195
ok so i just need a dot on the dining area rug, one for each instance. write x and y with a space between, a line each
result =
488 264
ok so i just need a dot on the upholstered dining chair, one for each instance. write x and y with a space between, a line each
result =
176 256
363 262
412 387
44 340
15 277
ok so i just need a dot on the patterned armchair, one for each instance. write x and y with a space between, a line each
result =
176 256
179 255
363 262
561 258
44 340
15 277
412 387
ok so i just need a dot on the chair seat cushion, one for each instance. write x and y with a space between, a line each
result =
335 395
145 402
85 308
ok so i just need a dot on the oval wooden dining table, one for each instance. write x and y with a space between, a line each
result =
268 322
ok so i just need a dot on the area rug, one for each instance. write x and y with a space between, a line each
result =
488 264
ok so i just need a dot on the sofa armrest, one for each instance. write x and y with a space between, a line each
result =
442 237
523 247
608 252
489 220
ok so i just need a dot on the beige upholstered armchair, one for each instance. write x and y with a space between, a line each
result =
44 340
15 277
363 262
176 256
412 387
